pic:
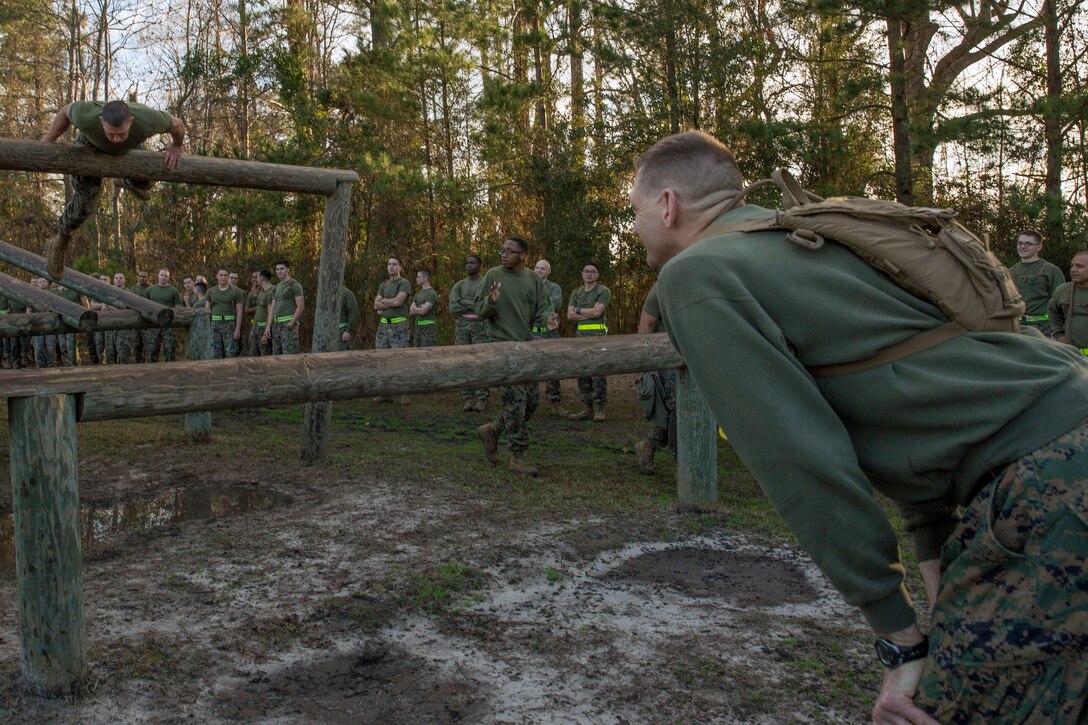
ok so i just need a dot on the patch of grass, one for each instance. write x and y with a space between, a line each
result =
452 585
152 658
552 574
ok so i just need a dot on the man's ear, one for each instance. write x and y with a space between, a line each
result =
671 209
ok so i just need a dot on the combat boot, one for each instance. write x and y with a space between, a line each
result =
645 449
598 413
489 434
584 414
519 465
55 249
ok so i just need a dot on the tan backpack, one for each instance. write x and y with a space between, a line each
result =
926 251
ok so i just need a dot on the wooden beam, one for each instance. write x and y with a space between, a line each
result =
39 300
198 425
318 414
84 284
19 324
132 391
696 447
48 566
80 160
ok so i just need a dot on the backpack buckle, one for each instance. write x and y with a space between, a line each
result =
806 238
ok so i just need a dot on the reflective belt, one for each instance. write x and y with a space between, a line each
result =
593 326
393 320
285 318
224 318
3 312
343 325
543 329
1083 350
1034 318
421 323
259 324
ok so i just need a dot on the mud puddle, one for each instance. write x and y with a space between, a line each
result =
99 524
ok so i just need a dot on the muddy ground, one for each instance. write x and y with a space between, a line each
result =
405 581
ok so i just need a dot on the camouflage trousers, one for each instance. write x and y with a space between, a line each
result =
391 336
85 193
257 347
11 353
94 351
426 335
284 339
552 391
666 437
67 344
45 350
168 338
223 343
1010 627
593 390
120 346
519 402
471 332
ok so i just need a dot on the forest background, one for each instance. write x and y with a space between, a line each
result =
468 120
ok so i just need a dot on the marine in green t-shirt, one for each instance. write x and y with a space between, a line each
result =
349 318
1036 280
113 128
260 339
588 308
391 304
553 390
284 311
1069 307
468 328
227 305
163 293
422 310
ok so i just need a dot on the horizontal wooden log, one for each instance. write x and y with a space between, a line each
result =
95 289
47 323
58 158
131 391
26 295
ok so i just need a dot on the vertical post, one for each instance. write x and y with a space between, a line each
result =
315 426
696 447
45 486
198 426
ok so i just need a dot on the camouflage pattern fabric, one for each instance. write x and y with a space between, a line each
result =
99 339
666 437
12 353
552 390
169 340
67 343
284 339
45 350
85 193
391 336
1010 627
426 335
223 343
471 332
119 349
91 343
593 390
257 348
519 402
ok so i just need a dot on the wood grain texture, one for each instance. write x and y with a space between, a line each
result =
317 416
28 296
48 323
129 391
696 448
93 288
58 158
49 571
198 424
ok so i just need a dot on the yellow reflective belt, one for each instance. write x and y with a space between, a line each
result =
343 325
1083 350
1034 318
3 312
224 318
421 323
259 324
542 329
285 318
593 326
393 320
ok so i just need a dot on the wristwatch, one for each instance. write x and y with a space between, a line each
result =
892 655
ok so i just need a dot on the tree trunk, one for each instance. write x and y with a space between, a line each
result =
1052 125
904 185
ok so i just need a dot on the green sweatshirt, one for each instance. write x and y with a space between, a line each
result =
349 310
523 302
750 312
1069 314
1036 282
463 296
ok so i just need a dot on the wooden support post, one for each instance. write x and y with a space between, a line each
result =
44 481
27 295
315 426
84 284
198 426
696 447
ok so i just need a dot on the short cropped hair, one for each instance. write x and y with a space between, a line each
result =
425 272
1034 234
476 257
393 256
284 262
593 264
524 245
200 287
116 113
266 273
693 161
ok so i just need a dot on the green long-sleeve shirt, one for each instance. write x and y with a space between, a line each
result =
523 302
750 313
349 310
1036 282
463 295
1069 314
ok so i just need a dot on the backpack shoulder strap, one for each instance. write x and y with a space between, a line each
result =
913 344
